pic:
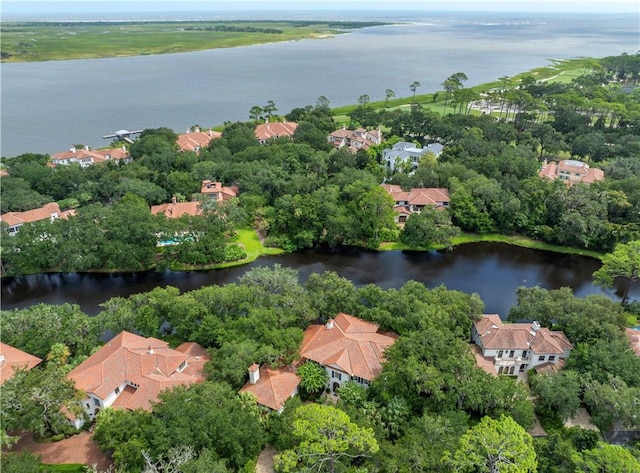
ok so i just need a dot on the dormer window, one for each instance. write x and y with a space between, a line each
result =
182 366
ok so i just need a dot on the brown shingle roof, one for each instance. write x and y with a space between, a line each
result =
12 359
146 362
523 336
274 387
349 344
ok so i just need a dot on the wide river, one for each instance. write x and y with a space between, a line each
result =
48 106
492 270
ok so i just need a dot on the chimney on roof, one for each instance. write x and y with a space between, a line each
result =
535 326
329 325
174 200
72 149
254 373
150 350
197 129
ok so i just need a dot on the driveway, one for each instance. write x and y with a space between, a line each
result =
79 448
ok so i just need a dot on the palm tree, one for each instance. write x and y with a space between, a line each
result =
413 87
389 94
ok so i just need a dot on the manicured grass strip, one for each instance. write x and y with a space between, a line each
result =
515 240
248 238
524 242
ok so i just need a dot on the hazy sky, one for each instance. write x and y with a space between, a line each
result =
26 6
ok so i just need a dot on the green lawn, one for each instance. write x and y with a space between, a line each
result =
516 240
247 238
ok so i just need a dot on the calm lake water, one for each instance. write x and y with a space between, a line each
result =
48 106
492 270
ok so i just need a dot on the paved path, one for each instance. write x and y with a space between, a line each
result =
265 460
76 449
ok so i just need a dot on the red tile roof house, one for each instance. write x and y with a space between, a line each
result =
267 131
272 387
130 371
88 157
349 348
12 359
196 140
177 209
511 349
355 140
571 171
415 200
216 191
50 211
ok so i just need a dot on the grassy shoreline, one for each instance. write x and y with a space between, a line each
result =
515 240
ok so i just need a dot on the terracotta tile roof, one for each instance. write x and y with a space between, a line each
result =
274 386
634 339
572 170
146 362
47 211
195 140
522 336
86 156
549 170
436 196
355 139
177 209
211 188
12 359
266 131
349 344
550 366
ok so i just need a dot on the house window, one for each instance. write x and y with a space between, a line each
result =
336 375
525 353
500 353
402 218
541 358
511 353
552 357
96 402
118 390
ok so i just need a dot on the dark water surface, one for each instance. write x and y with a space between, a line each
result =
48 106
492 270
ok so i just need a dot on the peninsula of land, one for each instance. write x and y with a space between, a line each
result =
53 41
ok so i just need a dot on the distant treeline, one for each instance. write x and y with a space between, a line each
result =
11 26
234 29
